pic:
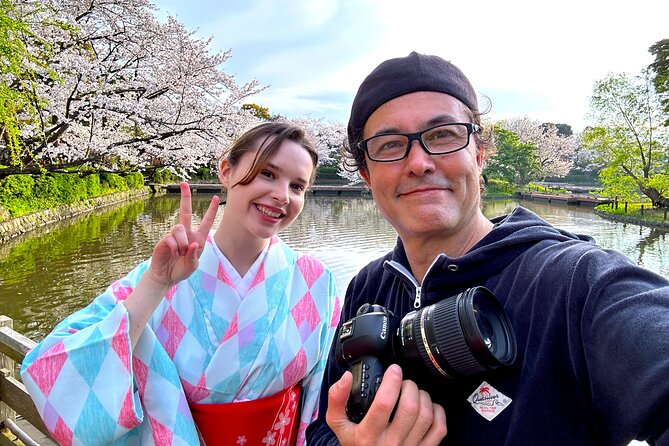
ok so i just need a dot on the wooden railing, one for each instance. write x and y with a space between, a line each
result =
14 399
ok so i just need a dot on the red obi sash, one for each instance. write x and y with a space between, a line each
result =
266 421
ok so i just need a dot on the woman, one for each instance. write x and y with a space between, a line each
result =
220 338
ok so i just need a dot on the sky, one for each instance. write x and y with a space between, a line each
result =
524 58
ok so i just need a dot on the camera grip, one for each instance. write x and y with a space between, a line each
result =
367 374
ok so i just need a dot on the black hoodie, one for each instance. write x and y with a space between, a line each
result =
592 332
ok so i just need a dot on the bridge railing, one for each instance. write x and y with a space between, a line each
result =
15 403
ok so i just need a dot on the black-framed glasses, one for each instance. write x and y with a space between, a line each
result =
437 140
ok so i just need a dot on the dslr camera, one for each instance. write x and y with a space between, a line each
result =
461 335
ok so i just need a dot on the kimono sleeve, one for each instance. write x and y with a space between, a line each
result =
311 384
80 376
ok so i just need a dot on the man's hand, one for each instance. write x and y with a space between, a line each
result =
176 256
417 421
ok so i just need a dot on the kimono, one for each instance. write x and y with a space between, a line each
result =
206 343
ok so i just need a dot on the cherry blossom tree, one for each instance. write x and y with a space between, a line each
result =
132 91
555 152
328 137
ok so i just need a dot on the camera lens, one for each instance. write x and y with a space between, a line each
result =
489 331
458 336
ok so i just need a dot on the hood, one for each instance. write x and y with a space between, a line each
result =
513 234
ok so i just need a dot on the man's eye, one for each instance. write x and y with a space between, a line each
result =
443 134
391 145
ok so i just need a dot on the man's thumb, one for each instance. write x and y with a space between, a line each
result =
337 398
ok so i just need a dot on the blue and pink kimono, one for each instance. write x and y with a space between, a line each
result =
215 338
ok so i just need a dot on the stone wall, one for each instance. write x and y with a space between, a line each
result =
16 226
633 220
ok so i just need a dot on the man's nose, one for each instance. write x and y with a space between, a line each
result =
418 160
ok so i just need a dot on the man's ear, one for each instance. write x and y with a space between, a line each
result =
480 156
364 174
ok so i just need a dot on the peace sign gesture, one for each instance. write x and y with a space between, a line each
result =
176 256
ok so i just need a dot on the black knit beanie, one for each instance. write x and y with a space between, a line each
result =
397 77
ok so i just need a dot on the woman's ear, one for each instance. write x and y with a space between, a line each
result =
224 173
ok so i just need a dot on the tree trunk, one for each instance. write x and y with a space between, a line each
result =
656 197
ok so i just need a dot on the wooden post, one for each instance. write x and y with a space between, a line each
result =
8 365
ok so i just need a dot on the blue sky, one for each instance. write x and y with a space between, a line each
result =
529 58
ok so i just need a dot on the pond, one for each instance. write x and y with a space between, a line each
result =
53 271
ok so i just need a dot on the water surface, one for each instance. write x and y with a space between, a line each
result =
51 272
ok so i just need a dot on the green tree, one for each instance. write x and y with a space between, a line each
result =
514 161
258 111
630 137
22 54
562 129
660 69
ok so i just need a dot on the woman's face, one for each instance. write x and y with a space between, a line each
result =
274 198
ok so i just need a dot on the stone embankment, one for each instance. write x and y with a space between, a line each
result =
632 220
16 226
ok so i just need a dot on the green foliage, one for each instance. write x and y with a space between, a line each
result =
545 189
616 184
113 181
258 111
660 69
22 194
514 161
330 175
207 174
93 186
17 186
134 180
15 194
629 139
19 101
659 182
641 210
163 176
499 186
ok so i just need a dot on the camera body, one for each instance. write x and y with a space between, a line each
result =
365 348
459 336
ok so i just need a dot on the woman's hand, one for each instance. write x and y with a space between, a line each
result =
176 256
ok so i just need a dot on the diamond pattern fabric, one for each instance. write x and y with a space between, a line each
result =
204 344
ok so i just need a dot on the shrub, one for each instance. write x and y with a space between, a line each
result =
93 186
15 186
163 176
22 194
497 186
70 188
113 181
134 180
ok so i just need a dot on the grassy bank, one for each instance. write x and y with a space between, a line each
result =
635 212
24 194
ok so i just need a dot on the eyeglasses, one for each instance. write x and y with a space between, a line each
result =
437 140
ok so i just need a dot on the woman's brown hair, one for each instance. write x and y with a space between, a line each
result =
267 138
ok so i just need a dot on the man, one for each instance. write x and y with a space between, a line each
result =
592 363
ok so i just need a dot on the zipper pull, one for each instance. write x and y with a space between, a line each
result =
416 301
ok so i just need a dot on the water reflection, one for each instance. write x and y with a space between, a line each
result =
49 273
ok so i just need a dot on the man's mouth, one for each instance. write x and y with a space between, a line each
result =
268 211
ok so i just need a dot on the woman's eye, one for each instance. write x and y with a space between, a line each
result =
298 187
267 173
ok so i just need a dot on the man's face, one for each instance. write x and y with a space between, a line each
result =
425 195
